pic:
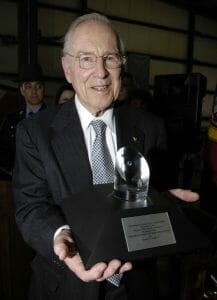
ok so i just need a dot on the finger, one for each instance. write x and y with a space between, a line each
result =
112 268
76 265
185 195
60 250
126 267
115 268
190 196
95 273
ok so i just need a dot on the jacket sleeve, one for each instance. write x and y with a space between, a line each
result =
37 215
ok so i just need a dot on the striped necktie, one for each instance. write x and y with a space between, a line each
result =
102 165
102 168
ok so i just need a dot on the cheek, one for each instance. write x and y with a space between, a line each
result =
117 86
26 94
80 79
40 93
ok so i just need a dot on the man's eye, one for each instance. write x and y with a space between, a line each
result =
112 58
87 58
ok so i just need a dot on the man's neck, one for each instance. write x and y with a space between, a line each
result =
34 107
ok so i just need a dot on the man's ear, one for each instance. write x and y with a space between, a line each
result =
66 69
21 90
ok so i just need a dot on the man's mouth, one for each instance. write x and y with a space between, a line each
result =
100 88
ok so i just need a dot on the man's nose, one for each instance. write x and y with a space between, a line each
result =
34 88
100 68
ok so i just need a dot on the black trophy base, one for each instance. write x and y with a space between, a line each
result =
106 227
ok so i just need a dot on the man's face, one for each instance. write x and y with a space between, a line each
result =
99 86
33 92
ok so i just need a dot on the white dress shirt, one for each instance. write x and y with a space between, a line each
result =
89 134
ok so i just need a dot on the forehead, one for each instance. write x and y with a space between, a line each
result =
93 36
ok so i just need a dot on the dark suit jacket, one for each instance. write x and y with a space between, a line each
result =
7 141
52 163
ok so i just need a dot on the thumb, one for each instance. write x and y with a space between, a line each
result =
185 195
65 248
61 250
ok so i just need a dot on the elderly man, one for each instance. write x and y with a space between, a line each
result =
31 86
54 160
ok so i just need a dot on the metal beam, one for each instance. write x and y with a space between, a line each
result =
190 42
27 32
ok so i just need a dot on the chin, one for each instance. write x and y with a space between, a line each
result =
106 105
102 108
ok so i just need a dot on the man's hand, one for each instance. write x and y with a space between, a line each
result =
64 245
64 248
185 195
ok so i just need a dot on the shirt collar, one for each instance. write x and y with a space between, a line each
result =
35 110
86 117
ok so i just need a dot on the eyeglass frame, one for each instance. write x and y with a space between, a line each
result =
122 59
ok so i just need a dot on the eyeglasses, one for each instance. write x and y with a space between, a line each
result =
89 60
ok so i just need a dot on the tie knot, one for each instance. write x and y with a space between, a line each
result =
99 126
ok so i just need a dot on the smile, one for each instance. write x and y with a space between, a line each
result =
100 88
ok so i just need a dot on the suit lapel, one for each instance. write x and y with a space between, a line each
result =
70 149
44 106
127 129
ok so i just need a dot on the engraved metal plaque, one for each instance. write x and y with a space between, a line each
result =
148 231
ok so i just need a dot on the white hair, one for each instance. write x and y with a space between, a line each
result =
84 18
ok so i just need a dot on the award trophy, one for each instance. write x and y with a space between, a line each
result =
129 220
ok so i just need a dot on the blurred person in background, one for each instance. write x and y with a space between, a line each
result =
126 90
32 89
64 93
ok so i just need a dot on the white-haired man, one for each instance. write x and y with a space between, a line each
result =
54 161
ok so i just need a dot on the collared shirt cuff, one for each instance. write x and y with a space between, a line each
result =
60 229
